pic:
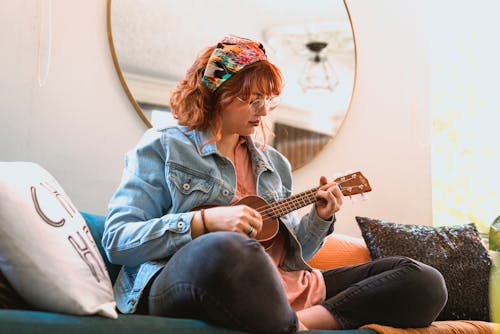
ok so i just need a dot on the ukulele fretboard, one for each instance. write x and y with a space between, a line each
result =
295 202
351 184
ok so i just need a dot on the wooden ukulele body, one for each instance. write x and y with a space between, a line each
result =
350 184
270 226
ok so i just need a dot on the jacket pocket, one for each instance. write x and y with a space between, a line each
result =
190 188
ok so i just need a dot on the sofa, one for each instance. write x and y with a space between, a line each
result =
31 322
348 251
51 255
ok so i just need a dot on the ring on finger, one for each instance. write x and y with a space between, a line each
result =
250 230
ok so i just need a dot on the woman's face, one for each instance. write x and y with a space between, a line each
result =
244 117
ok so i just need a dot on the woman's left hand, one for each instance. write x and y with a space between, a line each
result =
330 198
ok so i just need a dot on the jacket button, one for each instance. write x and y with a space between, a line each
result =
225 192
180 224
186 186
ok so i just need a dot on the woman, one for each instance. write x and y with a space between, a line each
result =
180 261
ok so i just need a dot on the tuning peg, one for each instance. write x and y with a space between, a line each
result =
354 199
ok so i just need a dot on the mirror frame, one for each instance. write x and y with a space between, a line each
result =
148 123
131 97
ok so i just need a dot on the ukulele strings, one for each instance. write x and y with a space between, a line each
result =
278 209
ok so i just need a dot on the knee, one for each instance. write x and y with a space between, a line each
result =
216 253
433 283
228 246
429 286
428 279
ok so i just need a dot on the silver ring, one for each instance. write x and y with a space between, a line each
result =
250 231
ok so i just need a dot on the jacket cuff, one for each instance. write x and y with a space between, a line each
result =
320 226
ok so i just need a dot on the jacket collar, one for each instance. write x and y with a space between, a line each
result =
261 160
201 138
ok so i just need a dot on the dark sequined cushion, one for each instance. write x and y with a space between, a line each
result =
456 251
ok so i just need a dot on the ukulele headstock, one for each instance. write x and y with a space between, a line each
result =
353 184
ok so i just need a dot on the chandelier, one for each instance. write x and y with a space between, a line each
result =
318 72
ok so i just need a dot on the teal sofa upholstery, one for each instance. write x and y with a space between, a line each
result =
37 322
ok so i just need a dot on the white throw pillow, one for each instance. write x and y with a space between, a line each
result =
47 251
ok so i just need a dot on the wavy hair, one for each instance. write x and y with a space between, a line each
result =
193 104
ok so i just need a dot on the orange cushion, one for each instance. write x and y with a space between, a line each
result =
442 327
339 251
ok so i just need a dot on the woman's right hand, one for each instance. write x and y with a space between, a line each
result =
239 218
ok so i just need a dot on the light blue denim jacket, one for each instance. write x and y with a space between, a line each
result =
167 174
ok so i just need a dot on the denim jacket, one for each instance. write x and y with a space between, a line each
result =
169 173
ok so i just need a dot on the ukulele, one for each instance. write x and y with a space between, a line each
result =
350 184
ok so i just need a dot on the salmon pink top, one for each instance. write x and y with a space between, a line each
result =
303 288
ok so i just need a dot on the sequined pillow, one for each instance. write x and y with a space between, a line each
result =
456 251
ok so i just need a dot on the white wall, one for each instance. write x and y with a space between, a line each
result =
386 133
80 123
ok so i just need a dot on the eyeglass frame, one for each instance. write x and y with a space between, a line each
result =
263 102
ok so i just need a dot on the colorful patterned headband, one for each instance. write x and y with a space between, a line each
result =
230 56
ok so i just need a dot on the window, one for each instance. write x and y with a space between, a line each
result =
465 110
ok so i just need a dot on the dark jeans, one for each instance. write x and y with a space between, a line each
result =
393 291
227 279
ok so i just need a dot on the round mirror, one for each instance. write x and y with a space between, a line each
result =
154 42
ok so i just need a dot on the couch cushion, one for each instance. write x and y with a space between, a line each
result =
340 250
47 252
96 225
456 251
31 322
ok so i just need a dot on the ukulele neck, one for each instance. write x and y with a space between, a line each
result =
295 202
349 185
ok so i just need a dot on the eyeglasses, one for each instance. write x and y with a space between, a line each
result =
270 103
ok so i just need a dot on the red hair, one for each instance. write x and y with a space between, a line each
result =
193 104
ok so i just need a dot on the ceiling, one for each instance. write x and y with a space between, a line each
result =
160 38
